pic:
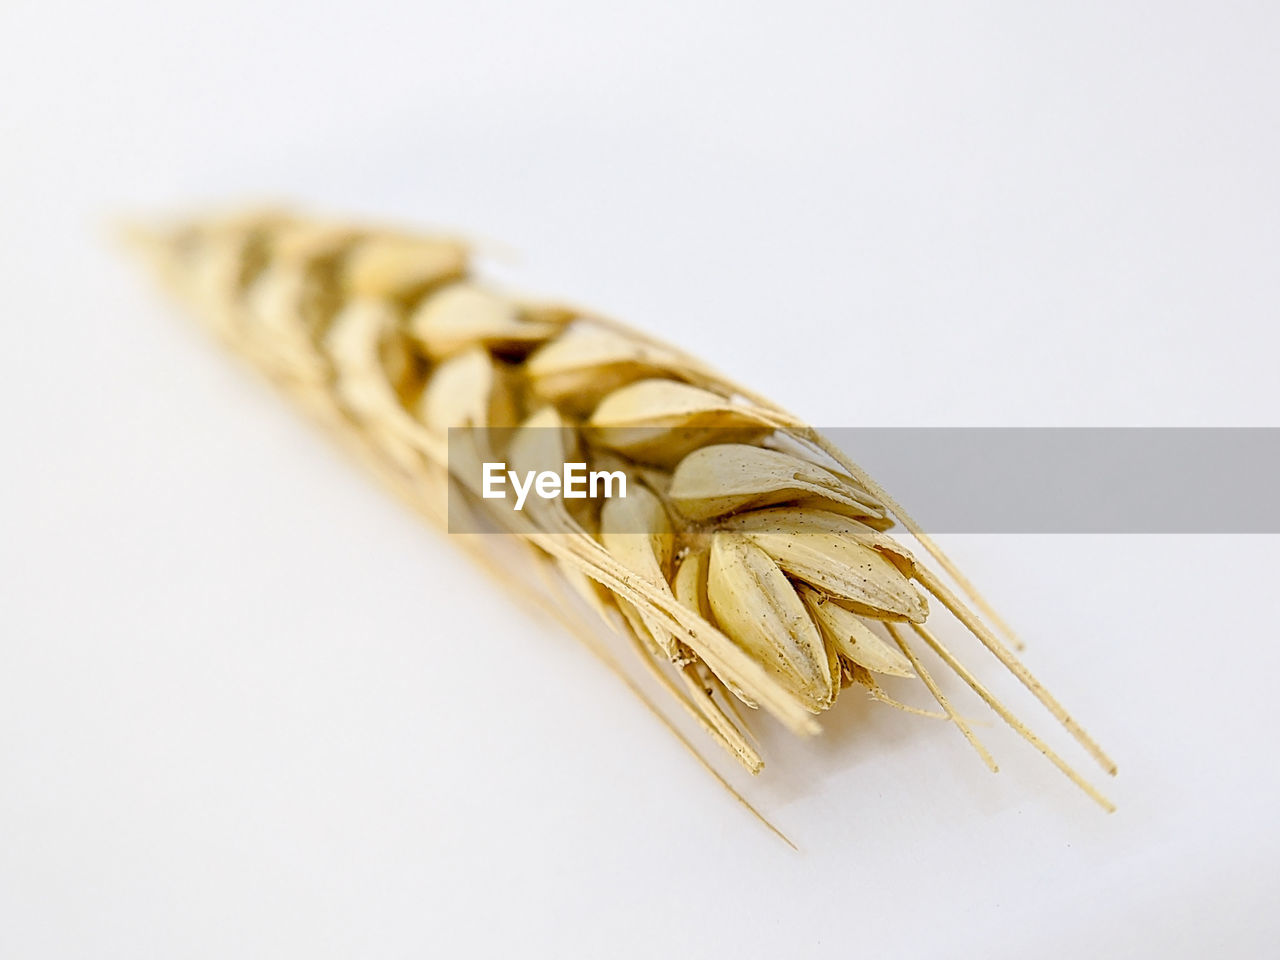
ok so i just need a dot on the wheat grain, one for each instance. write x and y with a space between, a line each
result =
750 561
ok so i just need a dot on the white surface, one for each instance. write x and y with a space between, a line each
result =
249 708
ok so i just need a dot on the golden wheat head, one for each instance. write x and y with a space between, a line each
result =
749 564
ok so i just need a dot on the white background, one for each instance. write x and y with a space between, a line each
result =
249 708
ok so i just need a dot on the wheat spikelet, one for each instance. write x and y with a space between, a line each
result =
748 563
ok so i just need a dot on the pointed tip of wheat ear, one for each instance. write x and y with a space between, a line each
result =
142 237
153 242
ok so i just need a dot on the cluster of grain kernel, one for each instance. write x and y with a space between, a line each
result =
749 561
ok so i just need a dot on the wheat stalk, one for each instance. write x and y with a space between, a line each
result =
749 562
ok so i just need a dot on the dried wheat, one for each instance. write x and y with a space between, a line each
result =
749 561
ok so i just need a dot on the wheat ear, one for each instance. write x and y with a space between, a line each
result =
749 559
